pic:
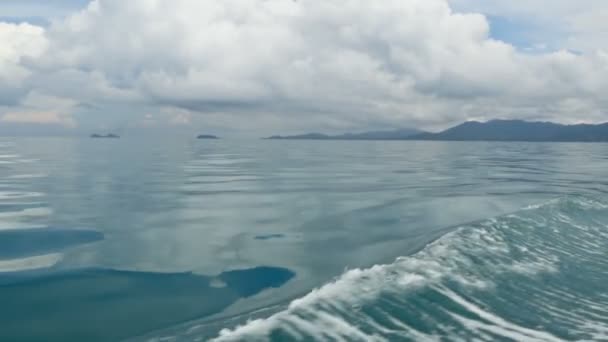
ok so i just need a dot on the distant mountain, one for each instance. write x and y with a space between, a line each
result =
103 136
399 134
207 136
518 130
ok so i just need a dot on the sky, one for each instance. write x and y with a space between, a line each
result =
262 67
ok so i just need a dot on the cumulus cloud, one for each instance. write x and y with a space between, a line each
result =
575 25
300 65
19 41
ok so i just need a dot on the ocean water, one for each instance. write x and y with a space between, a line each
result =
147 240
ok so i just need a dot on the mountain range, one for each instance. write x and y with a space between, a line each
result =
518 130
494 130
399 134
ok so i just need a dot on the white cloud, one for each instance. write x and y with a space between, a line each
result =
304 65
17 42
40 109
577 25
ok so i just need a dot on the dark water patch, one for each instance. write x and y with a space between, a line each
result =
20 243
269 237
109 305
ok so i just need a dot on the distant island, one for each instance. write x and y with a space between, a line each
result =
494 130
207 136
105 136
399 134
519 130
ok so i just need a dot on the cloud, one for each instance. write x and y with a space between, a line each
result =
574 25
44 118
19 41
268 65
167 116
41 110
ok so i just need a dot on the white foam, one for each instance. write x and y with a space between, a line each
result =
532 268
496 324
358 287
598 331
330 311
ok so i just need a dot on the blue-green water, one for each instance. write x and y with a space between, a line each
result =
149 240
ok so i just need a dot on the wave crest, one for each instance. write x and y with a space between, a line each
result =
510 278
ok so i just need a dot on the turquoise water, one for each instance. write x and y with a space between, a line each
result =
150 240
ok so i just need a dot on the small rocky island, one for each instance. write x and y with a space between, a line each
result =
105 136
207 136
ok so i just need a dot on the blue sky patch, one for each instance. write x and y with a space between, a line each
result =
525 35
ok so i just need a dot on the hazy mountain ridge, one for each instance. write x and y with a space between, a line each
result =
399 134
494 130
519 130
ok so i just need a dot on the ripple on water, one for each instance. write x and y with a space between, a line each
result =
28 212
28 176
11 195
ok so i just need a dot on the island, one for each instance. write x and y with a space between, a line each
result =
105 136
399 134
207 136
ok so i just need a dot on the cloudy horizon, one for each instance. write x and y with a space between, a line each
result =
260 67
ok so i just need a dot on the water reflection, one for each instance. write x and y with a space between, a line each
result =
34 242
311 207
108 305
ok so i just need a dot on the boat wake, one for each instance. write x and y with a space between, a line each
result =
535 275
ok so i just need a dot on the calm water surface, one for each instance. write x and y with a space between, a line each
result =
142 238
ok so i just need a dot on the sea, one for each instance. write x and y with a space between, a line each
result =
152 239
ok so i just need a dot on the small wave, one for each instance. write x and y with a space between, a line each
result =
28 212
11 195
28 176
508 278
23 219
27 161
